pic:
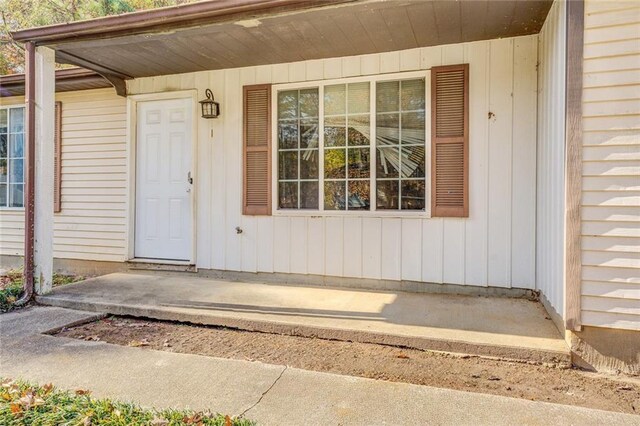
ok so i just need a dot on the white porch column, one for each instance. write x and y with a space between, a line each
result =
44 159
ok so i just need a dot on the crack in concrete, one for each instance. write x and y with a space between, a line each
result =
264 393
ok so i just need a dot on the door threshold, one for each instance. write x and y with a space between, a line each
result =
161 261
161 265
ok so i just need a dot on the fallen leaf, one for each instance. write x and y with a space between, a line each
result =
494 378
83 392
29 400
16 409
227 420
402 355
47 388
13 388
192 420
625 388
138 343
157 421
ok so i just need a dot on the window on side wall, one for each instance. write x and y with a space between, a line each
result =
354 146
12 157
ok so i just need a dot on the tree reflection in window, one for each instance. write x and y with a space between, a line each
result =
400 145
298 171
345 144
347 139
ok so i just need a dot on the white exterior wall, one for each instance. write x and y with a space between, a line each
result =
611 165
551 156
494 246
92 224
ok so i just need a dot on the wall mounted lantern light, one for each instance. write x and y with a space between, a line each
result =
210 108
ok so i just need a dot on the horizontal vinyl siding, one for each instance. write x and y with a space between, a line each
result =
550 189
92 222
611 166
11 232
494 246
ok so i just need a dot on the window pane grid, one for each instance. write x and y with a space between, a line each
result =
12 157
350 168
347 146
400 142
298 149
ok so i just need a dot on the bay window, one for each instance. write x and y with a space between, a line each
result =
352 146
12 157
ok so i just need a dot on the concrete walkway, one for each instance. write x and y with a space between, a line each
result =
501 327
269 394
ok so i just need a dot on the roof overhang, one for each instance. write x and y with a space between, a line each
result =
67 80
223 34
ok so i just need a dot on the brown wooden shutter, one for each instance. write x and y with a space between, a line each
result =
57 159
257 150
450 141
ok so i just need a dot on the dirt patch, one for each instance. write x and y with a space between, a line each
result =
467 373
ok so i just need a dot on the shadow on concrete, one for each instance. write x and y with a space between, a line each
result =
515 317
299 312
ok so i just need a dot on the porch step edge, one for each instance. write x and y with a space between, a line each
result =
507 353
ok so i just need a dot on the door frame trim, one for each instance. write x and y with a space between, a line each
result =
132 135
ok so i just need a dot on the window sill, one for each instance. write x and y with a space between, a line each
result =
357 214
11 209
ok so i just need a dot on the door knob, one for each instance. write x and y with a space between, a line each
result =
189 178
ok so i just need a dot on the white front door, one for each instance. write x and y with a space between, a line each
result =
163 227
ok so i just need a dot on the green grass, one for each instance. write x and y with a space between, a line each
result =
10 289
11 286
25 404
59 279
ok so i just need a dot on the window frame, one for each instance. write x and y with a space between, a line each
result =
297 150
320 85
8 108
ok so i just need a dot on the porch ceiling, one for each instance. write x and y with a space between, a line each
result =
261 35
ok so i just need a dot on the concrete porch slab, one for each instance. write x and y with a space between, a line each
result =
500 327
268 394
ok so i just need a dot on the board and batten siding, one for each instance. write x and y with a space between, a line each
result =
550 228
495 246
92 223
611 165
